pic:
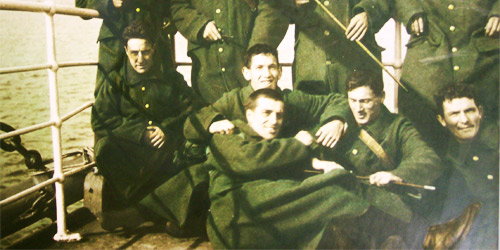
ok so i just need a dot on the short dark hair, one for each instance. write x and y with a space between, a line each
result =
362 78
260 49
138 29
272 94
453 91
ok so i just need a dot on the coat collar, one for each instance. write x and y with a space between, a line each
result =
383 121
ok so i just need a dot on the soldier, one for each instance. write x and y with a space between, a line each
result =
472 164
452 41
117 15
259 198
325 55
219 33
385 148
137 118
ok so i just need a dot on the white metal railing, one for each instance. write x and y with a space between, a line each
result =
55 119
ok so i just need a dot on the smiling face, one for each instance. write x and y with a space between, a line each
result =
462 117
267 117
364 104
264 72
140 54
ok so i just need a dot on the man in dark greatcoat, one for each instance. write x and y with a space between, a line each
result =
472 165
137 118
219 32
452 41
259 196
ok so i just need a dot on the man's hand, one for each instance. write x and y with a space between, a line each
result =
299 3
417 27
224 127
357 28
383 178
211 33
326 166
493 26
304 137
329 134
154 136
118 3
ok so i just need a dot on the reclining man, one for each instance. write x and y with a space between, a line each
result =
472 165
259 196
138 118
384 148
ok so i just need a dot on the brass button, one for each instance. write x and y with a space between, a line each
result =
456 68
217 11
328 63
327 33
475 158
451 7
221 49
326 3
490 177
150 122
138 10
146 106
223 69
143 88
454 49
219 29
452 28
354 151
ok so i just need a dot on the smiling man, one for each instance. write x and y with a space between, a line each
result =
472 164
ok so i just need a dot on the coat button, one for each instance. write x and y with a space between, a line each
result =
143 88
219 29
328 63
221 49
354 151
451 7
146 106
456 68
138 10
217 11
150 122
223 69
327 33
490 177
475 158
452 28
326 3
454 49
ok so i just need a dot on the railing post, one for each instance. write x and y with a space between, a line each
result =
62 234
397 61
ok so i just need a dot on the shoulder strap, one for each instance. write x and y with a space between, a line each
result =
375 147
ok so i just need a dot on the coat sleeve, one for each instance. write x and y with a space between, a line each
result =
378 11
270 24
108 121
105 7
244 157
419 163
406 10
495 10
188 20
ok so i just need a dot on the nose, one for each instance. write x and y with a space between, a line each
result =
140 57
462 117
357 106
266 72
273 119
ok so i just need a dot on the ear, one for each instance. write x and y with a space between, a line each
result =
246 73
441 120
280 71
382 97
480 109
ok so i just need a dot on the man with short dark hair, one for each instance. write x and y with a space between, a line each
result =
472 164
384 148
137 118
259 196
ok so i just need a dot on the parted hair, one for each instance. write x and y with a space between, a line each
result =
453 91
362 78
257 49
138 29
272 94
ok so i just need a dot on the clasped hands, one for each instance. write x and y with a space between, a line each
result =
154 137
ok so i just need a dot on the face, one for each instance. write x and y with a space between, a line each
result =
462 117
140 54
264 72
364 104
267 117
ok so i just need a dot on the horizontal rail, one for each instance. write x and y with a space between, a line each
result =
48 8
43 184
43 66
42 125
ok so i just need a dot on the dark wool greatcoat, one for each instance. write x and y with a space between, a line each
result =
242 23
324 57
258 201
302 111
124 107
472 176
453 48
111 53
